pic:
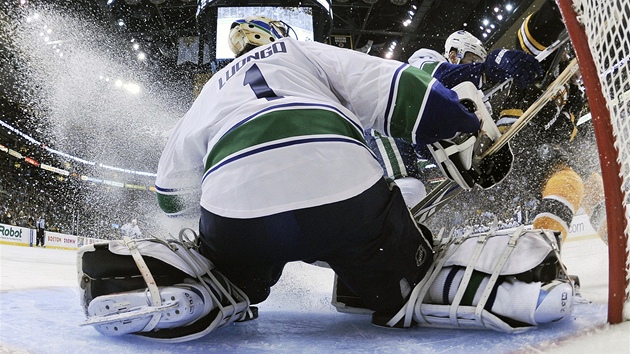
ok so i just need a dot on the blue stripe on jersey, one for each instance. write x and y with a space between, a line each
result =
281 145
171 190
391 99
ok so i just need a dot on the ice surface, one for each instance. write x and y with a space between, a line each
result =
40 313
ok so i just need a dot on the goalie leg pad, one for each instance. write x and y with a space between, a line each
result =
493 280
139 286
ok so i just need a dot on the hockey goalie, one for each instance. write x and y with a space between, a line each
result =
272 159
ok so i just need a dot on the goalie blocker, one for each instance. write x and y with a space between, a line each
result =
160 290
458 157
509 281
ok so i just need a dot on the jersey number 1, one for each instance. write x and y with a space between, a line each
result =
255 79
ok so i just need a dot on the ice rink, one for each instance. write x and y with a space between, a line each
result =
40 313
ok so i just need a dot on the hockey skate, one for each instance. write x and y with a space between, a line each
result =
160 290
131 312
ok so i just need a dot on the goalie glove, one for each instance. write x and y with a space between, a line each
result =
457 157
454 157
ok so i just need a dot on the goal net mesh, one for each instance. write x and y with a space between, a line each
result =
605 26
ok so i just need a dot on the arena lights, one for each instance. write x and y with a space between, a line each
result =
411 13
130 87
499 13
390 52
68 156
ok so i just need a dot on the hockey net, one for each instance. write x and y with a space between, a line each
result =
599 34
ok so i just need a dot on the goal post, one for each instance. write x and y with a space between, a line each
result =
598 32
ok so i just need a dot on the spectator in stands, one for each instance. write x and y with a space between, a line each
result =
131 229
40 227
518 215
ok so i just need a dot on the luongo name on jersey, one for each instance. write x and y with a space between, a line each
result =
263 127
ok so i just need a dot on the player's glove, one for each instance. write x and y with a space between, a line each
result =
503 64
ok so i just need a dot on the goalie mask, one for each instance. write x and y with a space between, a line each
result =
254 31
463 42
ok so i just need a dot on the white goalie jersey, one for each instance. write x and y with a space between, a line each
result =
263 127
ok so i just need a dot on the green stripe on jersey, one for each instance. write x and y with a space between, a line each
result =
430 67
280 125
171 204
389 153
412 88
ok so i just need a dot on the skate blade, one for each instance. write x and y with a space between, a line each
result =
129 312
134 320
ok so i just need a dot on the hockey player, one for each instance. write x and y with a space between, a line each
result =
557 187
464 59
548 137
467 61
276 140
131 229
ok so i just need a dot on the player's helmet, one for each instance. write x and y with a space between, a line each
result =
254 31
464 42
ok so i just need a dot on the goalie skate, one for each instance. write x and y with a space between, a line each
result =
162 290
131 312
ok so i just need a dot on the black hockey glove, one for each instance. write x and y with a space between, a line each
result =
503 64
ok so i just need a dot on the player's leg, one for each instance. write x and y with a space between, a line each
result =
593 203
384 253
250 252
370 238
562 194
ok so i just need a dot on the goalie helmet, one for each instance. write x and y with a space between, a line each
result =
463 42
254 31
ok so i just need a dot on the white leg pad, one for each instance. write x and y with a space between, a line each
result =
509 281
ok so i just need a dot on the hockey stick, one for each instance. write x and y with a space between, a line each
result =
435 200
556 60
535 107
448 189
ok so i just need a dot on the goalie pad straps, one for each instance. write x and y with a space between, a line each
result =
179 267
481 242
467 275
495 274
156 299
495 255
420 290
